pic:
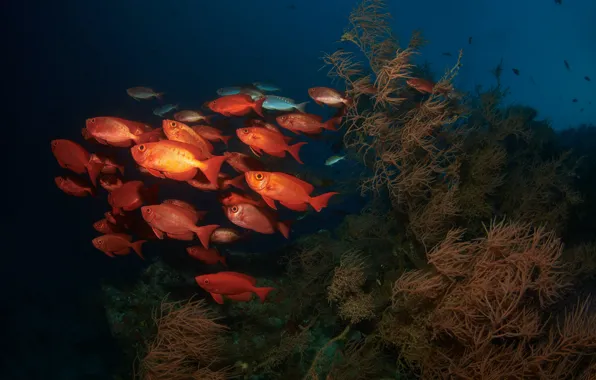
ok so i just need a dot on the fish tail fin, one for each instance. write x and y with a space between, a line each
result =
238 182
204 233
207 118
262 293
258 106
137 246
301 107
284 228
159 95
211 167
320 202
94 169
225 139
295 150
331 123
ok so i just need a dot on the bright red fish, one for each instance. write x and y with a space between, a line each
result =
231 283
265 140
176 222
118 244
277 186
72 156
175 160
251 217
74 186
236 105
243 163
208 256
130 196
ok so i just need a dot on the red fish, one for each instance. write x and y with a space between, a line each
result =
176 223
118 244
276 186
211 134
231 199
108 165
177 131
208 256
236 105
72 156
421 85
105 227
243 163
306 123
251 217
176 160
329 96
230 283
74 186
130 196
196 214
265 140
242 297
225 236
119 132
110 182
224 182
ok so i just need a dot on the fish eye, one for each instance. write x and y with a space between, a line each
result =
148 211
234 209
142 148
259 176
92 120
206 281
245 130
173 124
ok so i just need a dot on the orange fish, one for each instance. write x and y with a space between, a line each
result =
74 186
306 123
230 283
118 244
329 96
177 131
104 227
130 196
251 217
119 132
176 222
232 198
243 163
208 256
225 235
108 165
72 156
224 182
236 105
265 140
211 134
276 186
176 160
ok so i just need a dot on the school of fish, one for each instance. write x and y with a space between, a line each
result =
188 147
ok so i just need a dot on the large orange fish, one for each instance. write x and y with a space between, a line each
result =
130 196
72 156
265 140
230 283
237 105
175 160
251 217
118 244
176 222
119 132
177 131
306 123
74 186
282 187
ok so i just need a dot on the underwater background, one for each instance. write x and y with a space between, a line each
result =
461 243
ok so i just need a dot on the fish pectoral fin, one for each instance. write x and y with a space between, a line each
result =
218 298
270 202
281 153
155 173
110 254
257 152
184 176
157 233
101 141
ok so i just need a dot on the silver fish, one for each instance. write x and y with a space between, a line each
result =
333 160
267 87
253 92
162 110
279 103
138 93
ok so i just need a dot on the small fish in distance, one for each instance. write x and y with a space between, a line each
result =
515 71
587 78
567 65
